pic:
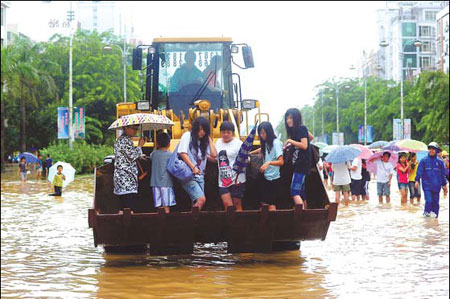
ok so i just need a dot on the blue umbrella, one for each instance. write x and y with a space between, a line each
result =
343 154
391 146
421 155
378 144
242 158
29 157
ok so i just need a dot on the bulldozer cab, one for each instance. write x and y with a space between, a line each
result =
192 71
181 71
190 77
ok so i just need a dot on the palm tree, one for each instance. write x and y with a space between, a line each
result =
25 77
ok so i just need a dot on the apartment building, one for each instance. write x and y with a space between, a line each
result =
401 25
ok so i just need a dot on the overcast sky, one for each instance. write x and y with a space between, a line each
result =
296 45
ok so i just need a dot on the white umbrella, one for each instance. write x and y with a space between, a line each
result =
148 121
68 171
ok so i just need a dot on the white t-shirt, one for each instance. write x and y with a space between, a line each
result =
341 174
384 169
227 176
183 147
356 174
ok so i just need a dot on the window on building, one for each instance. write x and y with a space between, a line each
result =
430 15
425 62
408 45
409 29
410 60
427 31
427 46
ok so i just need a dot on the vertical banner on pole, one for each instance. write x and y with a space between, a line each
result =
361 134
63 123
369 134
341 138
335 138
397 129
78 122
407 129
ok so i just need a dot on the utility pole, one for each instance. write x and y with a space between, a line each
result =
314 121
124 60
321 97
70 18
337 110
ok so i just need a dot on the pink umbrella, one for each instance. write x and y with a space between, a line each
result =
372 166
366 153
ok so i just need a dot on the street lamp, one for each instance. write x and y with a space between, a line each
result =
417 43
338 87
70 18
124 61
352 67
321 98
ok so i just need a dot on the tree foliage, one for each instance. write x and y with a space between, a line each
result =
426 103
35 77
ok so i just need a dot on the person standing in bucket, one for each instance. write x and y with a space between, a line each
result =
125 167
231 184
431 171
195 148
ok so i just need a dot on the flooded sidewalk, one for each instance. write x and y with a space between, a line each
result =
372 250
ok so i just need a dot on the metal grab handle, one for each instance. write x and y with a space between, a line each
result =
261 114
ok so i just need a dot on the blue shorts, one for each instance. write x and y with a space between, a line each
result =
298 183
195 188
383 189
236 191
402 186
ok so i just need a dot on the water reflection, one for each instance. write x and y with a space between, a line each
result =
210 270
382 250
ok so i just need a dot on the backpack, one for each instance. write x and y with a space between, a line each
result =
314 154
178 168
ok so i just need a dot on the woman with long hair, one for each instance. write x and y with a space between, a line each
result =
194 149
298 138
402 171
272 154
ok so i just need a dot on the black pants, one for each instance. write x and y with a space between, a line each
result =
128 201
58 191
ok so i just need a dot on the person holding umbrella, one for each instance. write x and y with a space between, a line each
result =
125 167
340 158
126 155
413 191
384 172
58 181
431 171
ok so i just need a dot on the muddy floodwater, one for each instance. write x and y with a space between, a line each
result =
371 251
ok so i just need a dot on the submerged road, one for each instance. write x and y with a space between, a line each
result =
372 250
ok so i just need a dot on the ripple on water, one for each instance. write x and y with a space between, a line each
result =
382 250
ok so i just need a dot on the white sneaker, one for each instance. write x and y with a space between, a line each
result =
433 214
426 214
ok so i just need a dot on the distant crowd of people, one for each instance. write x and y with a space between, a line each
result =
430 174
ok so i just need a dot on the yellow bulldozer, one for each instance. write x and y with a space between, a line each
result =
186 78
